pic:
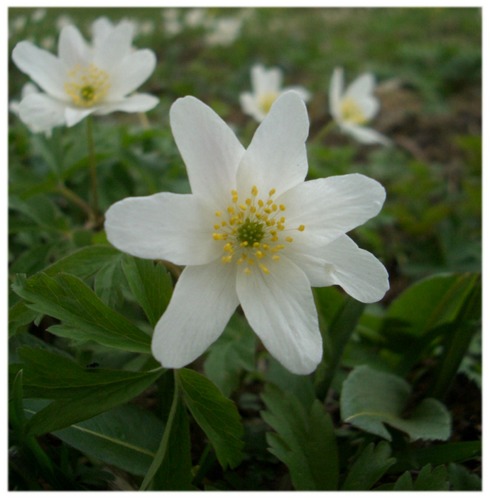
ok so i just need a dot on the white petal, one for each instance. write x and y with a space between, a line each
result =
43 67
209 148
361 87
76 115
357 271
365 135
136 103
168 226
335 92
202 303
133 70
101 28
41 112
276 157
331 207
369 106
265 81
251 107
116 46
301 91
72 48
279 307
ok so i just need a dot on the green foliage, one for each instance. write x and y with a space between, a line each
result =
77 393
125 437
85 395
84 315
303 439
230 356
216 415
428 479
369 467
371 399
151 286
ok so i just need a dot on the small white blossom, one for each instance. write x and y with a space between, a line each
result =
266 88
171 22
252 232
223 31
28 89
85 79
38 15
353 108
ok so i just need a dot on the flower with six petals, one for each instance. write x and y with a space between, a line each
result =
353 108
253 233
266 88
84 79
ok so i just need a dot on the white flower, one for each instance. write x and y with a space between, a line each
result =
266 88
85 79
252 233
223 31
28 89
353 108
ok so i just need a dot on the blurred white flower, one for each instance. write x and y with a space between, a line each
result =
223 31
146 27
85 79
63 21
171 21
252 232
195 18
266 88
48 42
353 108
38 15
28 89
19 23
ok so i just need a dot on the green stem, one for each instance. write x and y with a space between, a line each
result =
163 448
324 131
92 166
340 332
74 198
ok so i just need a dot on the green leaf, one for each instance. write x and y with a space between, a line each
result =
216 415
171 469
230 355
428 479
429 303
125 437
369 467
335 339
109 282
79 393
20 316
70 300
371 399
304 440
84 262
462 479
16 414
151 285
436 454
457 339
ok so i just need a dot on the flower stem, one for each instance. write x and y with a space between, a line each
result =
92 166
145 123
163 448
339 334
74 198
324 131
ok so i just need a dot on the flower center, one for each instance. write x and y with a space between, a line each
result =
251 231
87 85
266 101
254 232
351 112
